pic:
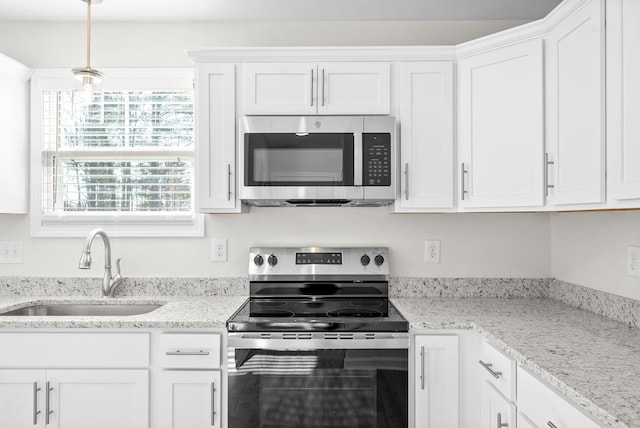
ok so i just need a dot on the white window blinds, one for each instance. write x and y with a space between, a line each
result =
139 160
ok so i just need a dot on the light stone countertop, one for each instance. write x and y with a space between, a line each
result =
592 360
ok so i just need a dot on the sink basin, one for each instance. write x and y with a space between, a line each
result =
79 310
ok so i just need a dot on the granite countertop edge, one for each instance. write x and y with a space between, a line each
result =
212 312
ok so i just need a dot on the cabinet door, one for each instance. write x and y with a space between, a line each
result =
575 106
279 88
354 88
436 381
623 102
13 136
22 398
188 399
496 410
426 128
215 138
501 132
98 398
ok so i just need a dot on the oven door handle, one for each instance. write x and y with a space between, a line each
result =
299 342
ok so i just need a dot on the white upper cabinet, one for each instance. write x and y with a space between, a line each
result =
623 100
500 120
426 131
13 136
575 105
216 179
300 88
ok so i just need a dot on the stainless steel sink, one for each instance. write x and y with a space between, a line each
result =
79 310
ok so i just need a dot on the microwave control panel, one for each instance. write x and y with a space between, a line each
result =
376 159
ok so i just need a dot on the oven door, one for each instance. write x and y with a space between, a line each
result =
303 381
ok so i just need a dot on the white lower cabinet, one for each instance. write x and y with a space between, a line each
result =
436 381
188 399
74 398
496 410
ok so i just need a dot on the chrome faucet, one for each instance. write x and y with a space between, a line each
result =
109 282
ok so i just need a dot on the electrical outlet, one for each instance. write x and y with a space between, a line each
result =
219 250
633 261
432 251
10 251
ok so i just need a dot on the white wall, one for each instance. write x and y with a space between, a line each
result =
472 245
590 249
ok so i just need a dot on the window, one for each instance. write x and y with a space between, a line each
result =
131 174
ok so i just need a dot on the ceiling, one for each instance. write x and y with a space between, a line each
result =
275 10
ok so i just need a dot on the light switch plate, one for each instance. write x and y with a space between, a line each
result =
10 251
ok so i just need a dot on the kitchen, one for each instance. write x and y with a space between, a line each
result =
582 248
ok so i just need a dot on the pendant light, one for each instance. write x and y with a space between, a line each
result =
87 98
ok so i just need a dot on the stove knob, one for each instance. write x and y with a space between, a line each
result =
258 260
365 260
272 260
378 260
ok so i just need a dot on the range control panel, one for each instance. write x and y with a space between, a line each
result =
315 261
376 159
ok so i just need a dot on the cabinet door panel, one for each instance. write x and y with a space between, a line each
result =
575 106
99 398
279 88
188 399
623 102
436 381
501 127
215 139
426 129
354 88
21 398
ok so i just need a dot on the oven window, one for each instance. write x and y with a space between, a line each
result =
275 159
327 388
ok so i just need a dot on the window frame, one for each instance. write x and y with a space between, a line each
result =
75 224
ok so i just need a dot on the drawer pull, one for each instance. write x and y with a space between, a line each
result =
187 352
551 425
490 370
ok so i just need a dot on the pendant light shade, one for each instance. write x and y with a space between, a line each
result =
87 98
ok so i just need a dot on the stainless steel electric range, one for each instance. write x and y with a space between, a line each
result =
318 344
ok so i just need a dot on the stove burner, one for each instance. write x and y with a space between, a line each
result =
355 312
269 303
272 313
368 303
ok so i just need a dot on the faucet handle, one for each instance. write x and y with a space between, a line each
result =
117 268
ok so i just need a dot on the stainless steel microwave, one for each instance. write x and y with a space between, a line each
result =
317 160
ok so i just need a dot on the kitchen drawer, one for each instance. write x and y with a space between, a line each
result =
496 410
546 408
77 350
187 350
499 370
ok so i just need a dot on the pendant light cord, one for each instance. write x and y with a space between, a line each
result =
88 33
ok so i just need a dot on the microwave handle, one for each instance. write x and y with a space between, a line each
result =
357 158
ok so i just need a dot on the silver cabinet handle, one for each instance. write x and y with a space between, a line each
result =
551 424
490 370
311 87
228 182
187 352
462 177
501 424
213 403
36 412
422 368
547 162
323 87
406 181
47 403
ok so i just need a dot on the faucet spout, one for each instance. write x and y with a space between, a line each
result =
109 282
